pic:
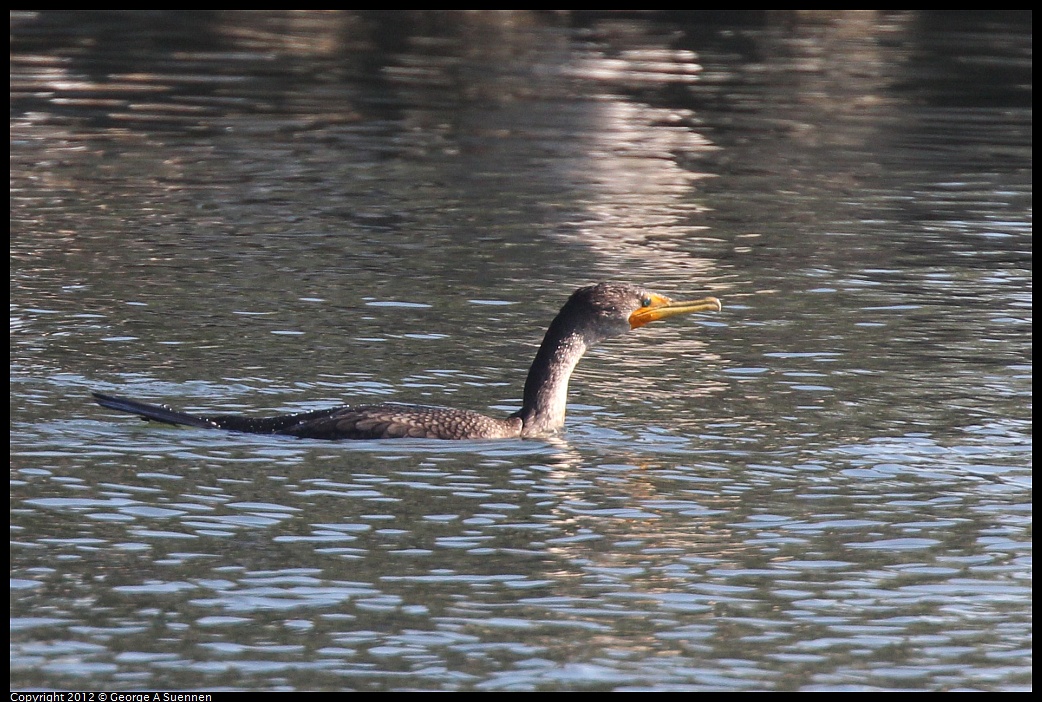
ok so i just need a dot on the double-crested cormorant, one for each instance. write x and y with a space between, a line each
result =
592 314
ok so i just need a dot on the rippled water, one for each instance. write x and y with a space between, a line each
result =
825 487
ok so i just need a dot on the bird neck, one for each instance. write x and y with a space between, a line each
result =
546 388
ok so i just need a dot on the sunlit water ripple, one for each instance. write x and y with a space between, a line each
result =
825 487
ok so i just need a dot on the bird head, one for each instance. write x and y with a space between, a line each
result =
610 309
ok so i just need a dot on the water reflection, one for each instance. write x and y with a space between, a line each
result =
825 487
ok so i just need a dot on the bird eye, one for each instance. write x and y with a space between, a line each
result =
646 302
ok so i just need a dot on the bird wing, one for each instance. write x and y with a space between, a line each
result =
398 421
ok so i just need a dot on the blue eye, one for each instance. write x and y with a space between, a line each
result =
646 302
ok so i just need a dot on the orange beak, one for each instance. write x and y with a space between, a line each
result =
662 307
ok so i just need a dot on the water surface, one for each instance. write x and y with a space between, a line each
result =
826 486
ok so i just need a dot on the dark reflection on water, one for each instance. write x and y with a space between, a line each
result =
827 486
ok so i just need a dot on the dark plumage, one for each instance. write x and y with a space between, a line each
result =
592 314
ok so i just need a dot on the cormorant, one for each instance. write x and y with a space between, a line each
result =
592 314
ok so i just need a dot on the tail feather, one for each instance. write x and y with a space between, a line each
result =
157 413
